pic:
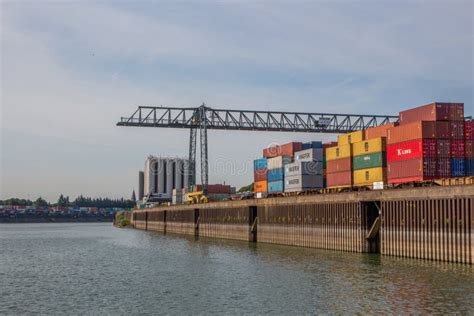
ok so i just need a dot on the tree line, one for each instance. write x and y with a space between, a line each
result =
80 201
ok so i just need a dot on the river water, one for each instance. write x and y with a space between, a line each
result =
99 269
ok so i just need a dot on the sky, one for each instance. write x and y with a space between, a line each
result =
71 69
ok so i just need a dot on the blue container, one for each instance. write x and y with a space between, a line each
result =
469 167
457 167
275 187
259 164
312 145
275 174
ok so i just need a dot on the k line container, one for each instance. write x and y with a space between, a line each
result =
469 130
260 186
377 132
278 162
339 165
303 183
418 169
457 167
456 129
260 164
458 148
411 131
412 150
443 148
338 152
469 167
444 167
366 177
315 144
469 149
260 175
350 138
369 146
275 186
275 174
374 160
282 150
304 167
339 179
428 112
312 154
456 112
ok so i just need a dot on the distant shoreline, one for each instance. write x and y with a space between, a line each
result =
20 219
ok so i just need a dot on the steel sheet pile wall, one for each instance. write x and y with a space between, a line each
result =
180 222
228 223
334 226
139 220
437 229
156 221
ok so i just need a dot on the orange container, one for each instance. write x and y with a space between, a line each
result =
377 132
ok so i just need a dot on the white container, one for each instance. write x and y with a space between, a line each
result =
303 183
311 154
303 168
278 162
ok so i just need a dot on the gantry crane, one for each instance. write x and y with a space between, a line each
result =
204 118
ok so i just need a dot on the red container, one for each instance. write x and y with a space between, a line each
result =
411 131
328 145
339 179
412 149
457 148
443 148
456 112
260 175
429 112
339 165
282 150
443 129
469 149
215 188
379 131
419 169
469 130
444 167
456 129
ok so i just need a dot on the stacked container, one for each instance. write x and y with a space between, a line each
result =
306 172
339 166
275 173
260 175
326 146
369 162
282 150
469 147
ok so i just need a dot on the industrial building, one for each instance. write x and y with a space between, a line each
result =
160 177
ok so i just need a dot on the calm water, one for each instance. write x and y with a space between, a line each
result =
98 269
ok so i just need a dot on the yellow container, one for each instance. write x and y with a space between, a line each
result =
369 146
338 152
350 138
369 176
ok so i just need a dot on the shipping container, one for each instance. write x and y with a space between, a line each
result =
282 150
373 160
339 179
469 167
411 131
303 182
304 167
260 186
275 174
214 188
443 148
275 186
412 149
457 148
339 165
312 154
444 167
469 130
456 129
457 167
260 164
329 144
469 149
429 112
369 146
315 144
324 162
443 129
413 170
456 112
278 162
260 175
338 152
350 138
379 131
366 177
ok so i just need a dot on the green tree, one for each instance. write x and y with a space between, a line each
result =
40 202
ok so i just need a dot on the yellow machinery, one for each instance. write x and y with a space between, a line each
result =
197 197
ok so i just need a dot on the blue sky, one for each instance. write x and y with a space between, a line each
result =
69 70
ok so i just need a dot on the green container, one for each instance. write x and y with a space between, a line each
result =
324 162
374 160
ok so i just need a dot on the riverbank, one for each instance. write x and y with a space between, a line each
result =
56 218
